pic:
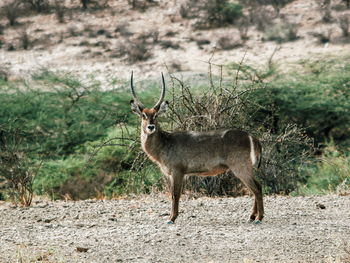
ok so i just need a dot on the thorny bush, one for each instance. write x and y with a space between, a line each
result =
234 103
17 171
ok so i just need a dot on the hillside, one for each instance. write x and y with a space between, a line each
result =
112 38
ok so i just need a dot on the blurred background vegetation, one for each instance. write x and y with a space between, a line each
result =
64 138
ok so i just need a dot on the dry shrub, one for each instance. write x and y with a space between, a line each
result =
347 3
133 51
344 23
324 37
169 44
243 27
325 10
59 11
175 66
84 3
228 43
184 11
234 104
211 13
138 51
4 73
24 38
12 11
16 169
151 37
261 17
123 29
201 42
141 5
74 32
39 6
96 4
282 32
276 4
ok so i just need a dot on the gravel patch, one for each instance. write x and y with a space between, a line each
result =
295 229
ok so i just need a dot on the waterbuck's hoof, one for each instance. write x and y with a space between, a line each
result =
170 222
251 221
257 222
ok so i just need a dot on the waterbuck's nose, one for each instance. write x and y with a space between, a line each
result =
151 127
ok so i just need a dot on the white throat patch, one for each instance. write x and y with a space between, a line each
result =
144 136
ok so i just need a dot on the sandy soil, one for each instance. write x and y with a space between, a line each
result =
295 229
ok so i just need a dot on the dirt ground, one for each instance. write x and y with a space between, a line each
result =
295 229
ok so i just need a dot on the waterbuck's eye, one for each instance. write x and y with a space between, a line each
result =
144 115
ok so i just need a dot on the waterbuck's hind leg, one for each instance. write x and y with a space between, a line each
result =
255 211
176 181
259 201
246 176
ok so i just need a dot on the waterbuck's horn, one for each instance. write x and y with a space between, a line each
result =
133 90
162 94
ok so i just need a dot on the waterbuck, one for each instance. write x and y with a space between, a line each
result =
198 153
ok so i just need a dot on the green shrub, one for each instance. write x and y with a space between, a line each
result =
51 177
105 168
328 174
317 97
58 119
318 100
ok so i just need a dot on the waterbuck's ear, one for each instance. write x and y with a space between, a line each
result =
136 108
162 108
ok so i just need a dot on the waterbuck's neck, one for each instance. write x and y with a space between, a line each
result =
153 143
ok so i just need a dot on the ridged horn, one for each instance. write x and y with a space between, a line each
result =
162 94
133 90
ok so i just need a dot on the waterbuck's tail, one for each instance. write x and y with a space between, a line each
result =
258 150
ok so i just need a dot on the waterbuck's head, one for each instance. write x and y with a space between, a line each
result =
148 115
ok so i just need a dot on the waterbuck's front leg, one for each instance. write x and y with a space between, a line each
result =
176 182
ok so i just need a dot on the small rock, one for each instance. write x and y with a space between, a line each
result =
320 206
43 205
82 249
48 220
165 214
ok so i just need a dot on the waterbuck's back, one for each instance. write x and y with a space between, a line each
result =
208 153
